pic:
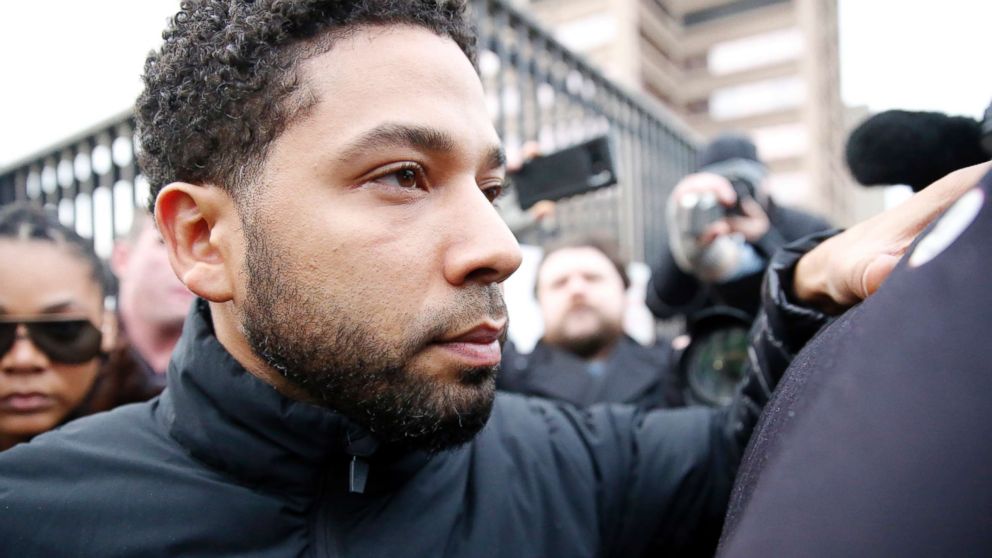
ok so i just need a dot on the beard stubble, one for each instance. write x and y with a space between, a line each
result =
343 362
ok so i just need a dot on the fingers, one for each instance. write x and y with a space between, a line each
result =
528 151
705 182
543 209
752 208
531 150
854 264
718 228
947 190
753 224
876 273
918 211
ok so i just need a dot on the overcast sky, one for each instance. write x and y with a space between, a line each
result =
68 64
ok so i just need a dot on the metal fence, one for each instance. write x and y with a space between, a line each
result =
536 89
91 179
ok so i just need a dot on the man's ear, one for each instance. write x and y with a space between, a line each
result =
196 224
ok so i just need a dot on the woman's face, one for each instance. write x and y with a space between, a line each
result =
43 280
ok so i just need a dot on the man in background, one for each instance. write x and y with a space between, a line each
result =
585 357
722 264
152 304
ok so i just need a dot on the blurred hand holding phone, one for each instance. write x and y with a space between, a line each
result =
570 172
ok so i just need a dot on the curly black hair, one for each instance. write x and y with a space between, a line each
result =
224 83
22 221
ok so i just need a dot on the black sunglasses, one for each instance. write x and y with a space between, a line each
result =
69 341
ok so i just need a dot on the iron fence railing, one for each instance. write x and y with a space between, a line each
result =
536 89
91 179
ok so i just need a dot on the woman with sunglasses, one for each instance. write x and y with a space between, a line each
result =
54 329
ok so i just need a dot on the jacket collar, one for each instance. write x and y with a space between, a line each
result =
630 370
229 419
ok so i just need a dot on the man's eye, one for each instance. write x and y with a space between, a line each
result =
493 193
403 178
494 190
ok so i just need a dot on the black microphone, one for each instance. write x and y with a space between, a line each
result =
914 148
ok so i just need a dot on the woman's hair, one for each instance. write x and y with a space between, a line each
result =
23 221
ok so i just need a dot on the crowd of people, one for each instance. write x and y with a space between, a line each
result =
311 324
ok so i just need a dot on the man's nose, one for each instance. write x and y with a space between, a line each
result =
576 289
481 247
23 356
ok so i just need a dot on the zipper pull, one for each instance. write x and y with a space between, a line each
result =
358 475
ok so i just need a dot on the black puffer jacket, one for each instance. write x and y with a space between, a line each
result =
222 465
632 374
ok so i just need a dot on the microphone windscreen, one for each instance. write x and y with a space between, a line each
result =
912 148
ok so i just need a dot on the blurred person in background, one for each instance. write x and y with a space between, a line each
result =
720 261
584 356
54 330
152 304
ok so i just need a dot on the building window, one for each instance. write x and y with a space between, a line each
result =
780 142
755 51
757 98
588 33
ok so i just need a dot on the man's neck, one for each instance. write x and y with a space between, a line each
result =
154 341
602 354
231 337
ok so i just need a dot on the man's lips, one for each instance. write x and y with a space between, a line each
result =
26 402
479 346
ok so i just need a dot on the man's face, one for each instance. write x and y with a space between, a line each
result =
149 289
582 300
372 251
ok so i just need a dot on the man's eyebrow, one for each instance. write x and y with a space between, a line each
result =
422 138
496 157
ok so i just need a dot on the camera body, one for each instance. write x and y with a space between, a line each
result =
699 212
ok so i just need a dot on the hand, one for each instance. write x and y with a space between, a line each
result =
528 151
849 267
752 225
544 209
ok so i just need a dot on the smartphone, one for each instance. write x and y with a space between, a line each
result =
576 170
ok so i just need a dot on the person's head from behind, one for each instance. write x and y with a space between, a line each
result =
581 289
323 173
53 327
148 290
734 157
